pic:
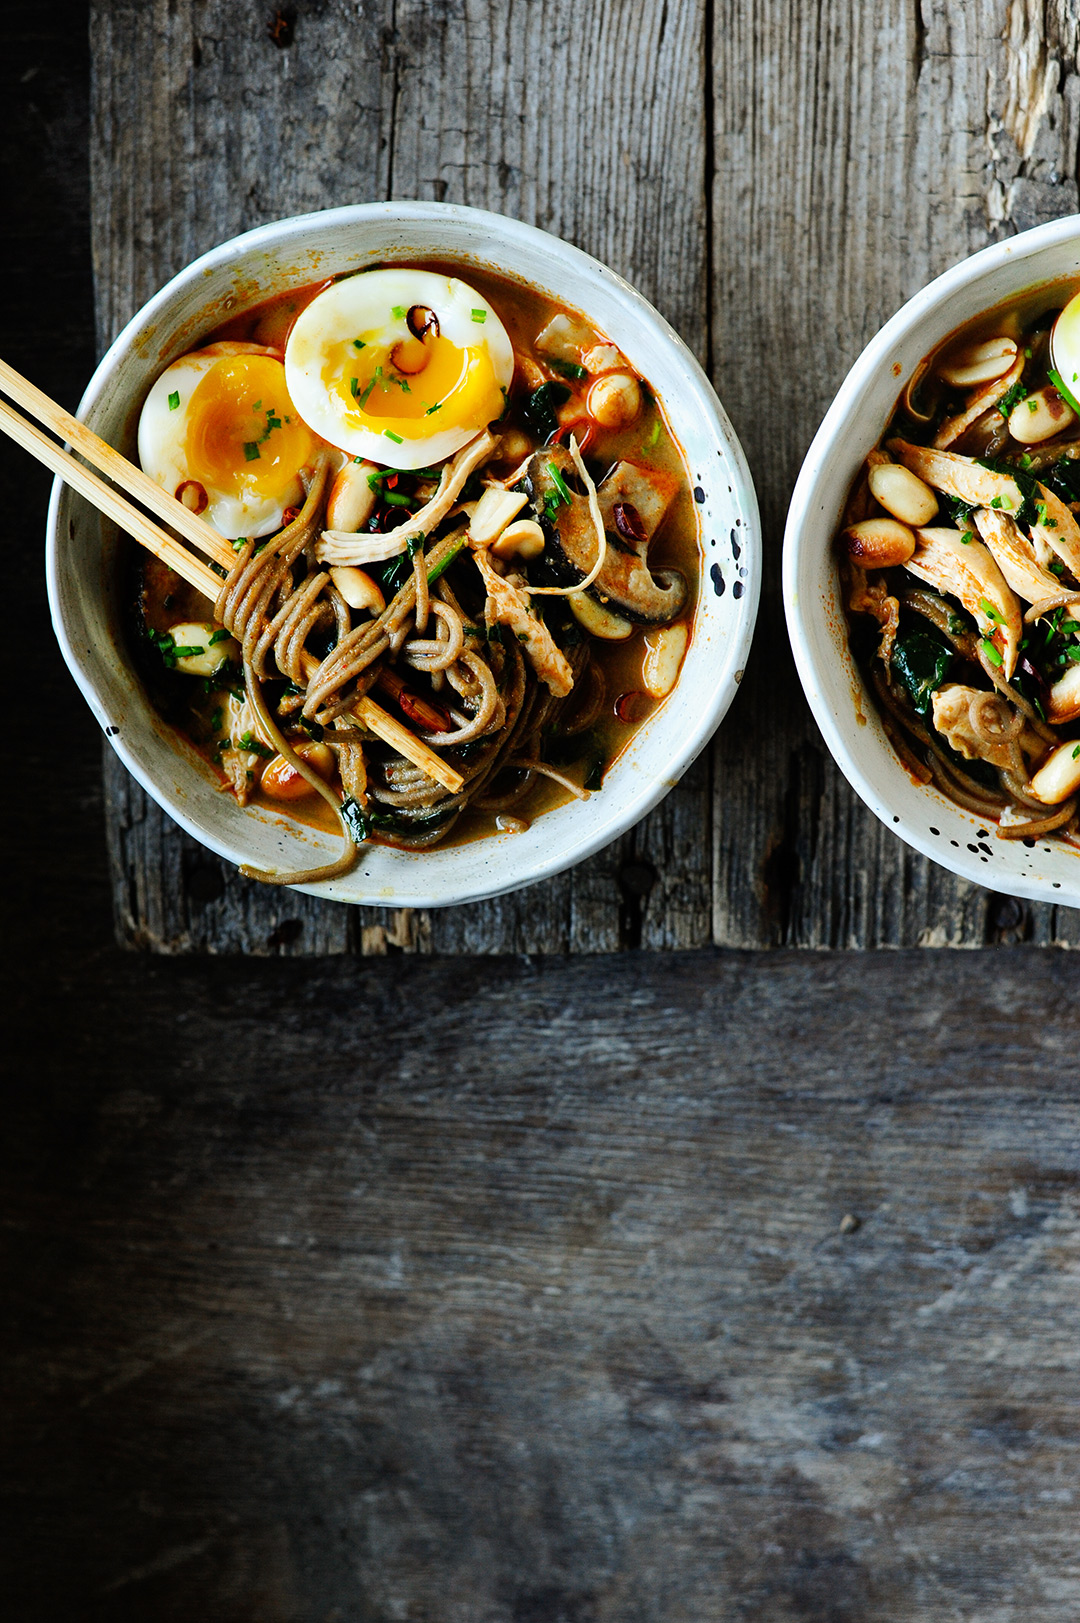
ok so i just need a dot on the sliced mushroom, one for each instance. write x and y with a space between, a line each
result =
959 476
632 503
967 570
1015 556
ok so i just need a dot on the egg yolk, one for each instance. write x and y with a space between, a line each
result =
455 388
243 432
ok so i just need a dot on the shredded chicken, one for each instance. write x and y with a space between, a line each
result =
339 547
872 597
507 605
956 713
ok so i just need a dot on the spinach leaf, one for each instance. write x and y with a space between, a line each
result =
921 659
539 411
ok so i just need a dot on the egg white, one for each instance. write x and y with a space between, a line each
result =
162 439
325 331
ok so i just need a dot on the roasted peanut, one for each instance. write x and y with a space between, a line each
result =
206 656
902 493
1059 775
1039 417
614 400
977 363
280 779
523 539
358 589
352 500
879 543
664 650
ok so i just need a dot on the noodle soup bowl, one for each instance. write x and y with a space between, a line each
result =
84 571
845 710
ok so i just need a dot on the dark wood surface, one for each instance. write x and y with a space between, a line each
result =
778 180
710 1287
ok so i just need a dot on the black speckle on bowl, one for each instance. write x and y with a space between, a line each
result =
717 578
737 589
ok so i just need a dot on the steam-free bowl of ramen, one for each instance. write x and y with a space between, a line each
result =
932 570
469 476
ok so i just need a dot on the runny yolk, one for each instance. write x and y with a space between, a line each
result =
243 431
457 388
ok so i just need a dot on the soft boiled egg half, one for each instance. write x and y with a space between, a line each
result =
402 367
220 432
1065 349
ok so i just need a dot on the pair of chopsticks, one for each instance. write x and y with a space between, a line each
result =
138 485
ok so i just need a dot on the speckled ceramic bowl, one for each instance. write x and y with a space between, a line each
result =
843 709
243 272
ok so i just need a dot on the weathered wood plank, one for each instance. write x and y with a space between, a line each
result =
858 154
204 127
537 1306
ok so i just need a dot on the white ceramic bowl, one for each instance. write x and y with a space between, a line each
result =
83 589
843 709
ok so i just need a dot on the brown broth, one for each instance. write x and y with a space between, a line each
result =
163 599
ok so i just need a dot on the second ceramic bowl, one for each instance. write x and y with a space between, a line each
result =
843 709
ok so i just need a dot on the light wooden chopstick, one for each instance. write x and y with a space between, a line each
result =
163 546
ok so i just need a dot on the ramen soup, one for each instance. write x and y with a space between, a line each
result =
455 499
960 554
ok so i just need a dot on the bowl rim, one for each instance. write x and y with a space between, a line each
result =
634 804
807 494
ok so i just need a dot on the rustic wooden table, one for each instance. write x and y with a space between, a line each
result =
698 1287
777 180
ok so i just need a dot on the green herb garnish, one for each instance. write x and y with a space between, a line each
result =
174 400
251 451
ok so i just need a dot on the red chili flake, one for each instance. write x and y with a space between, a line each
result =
289 515
391 483
628 523
632 706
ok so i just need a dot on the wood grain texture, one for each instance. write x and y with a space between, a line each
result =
545 1310
811 167
859 153
202 128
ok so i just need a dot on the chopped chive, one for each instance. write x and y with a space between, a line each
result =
363 400
1066 394
392 436
990 611
394 498
220 635
174 400
257 406
436 407
967 537
990 651
444 563
398 312
217 719
186 653
251 451
358 343
560 484
996 501
568 369
479 316
354 387
655 435
1076 752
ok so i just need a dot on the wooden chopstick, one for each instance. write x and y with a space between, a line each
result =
110 502
116 467
193 570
